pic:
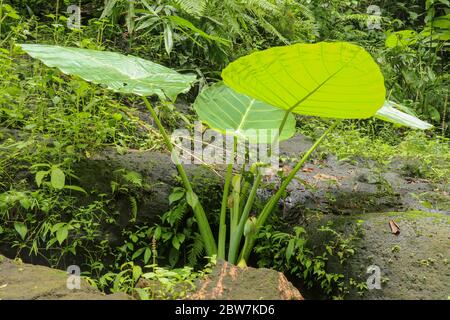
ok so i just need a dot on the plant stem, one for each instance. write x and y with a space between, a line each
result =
283 123
237 235
235 212
268 208
223 213
223 210
200 216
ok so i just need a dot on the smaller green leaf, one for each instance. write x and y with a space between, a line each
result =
147 254
402 38
390 113
290 249
168 38
138 253
40 175
62 233
137 272
181 237
57 178
76 188
176 195
176 243
434 114
308 264
57 226
157 233
21 229
229 112
25 202
117 116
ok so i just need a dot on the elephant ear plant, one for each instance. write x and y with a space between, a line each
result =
330 80
260 91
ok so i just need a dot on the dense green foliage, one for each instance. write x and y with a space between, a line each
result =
50 121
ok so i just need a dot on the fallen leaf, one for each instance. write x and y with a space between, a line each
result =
395 229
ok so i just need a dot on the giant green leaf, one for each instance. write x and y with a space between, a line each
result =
229 112
334 80
390 113
125 74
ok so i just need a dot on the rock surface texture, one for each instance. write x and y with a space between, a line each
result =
413 265
229 282
20 281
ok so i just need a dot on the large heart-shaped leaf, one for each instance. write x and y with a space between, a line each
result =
390 113
125 74
229 112
335 80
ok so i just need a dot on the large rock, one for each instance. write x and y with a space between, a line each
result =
228 282
20 281
415 264
326 185
157 171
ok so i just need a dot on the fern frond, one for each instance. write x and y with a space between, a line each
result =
134 207
269 28
192 7
134 178
259 7
196 250
365 18
175 215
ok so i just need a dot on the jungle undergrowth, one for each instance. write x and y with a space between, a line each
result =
55 120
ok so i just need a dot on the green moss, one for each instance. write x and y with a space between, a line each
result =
414 215
408 215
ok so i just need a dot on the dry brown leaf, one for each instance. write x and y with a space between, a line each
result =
395 229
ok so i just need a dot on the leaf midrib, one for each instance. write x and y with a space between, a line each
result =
322 84
244 117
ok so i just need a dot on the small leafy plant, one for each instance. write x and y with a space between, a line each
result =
260 91
153 282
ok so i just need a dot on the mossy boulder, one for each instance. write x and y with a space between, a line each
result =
20 281
229 282
415 264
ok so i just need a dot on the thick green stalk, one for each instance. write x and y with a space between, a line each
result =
235 212
200 216
246 187
268 208
283 123
237 235
223 212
